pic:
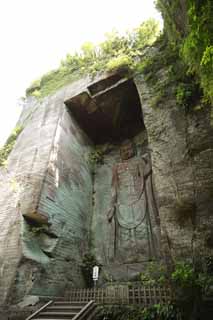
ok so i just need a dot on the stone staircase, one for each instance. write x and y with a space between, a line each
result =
64 310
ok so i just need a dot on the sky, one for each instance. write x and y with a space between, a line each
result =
35 35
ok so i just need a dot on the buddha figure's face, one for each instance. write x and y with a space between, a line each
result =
127 150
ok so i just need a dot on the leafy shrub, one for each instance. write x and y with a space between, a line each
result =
36 93
169 11
197 46
189 31
146 34
167 311
185 275
189 283
120 63
154 274
35 86
159 312
183 94
145 65
207 58
7 148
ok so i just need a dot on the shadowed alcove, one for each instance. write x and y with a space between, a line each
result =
108 112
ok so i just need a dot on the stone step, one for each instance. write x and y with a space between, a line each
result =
49 318
67 307
70 303
52 318
57 314
64 310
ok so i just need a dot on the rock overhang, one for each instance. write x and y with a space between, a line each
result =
108 110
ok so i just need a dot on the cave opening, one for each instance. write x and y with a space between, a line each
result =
109 111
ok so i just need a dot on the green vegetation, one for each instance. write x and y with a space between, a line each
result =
185 54
96 156
7 148
158 311
197 46
116 53
164 58
184 94
170 10
190 34
154 274
182 276
120 63
189 280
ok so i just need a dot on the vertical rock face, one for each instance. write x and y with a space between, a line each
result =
175 18
46 201
66 201
22 185
56 200
181 144
80 178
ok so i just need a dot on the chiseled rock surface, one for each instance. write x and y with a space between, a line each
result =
181 144
48 181
48 204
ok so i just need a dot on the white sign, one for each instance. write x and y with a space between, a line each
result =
95 273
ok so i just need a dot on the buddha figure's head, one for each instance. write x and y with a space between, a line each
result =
127 150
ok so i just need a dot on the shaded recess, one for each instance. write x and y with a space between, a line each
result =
109 111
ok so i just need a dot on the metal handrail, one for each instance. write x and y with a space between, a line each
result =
83 311
42 308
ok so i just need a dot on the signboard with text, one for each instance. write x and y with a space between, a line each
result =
95 273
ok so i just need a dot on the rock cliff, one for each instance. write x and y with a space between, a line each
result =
117 166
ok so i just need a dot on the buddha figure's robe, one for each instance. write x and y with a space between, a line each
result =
133 214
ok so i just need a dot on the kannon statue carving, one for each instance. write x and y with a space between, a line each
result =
133 215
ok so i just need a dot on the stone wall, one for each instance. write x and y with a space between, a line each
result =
46 199
21 187
66 199
181 143
51 200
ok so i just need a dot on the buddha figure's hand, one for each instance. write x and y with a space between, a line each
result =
110 214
